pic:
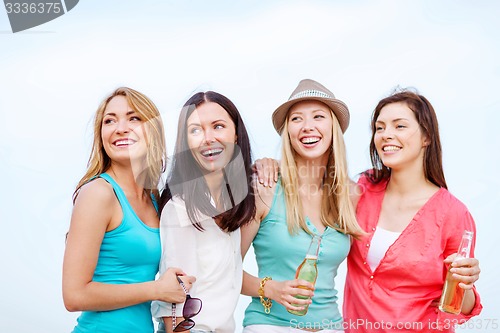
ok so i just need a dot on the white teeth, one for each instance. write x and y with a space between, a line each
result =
124 142
309 140
391 148
211 152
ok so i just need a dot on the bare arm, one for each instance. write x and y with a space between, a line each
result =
95 208
282 292
251 283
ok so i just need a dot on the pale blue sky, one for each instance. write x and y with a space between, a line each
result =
54 76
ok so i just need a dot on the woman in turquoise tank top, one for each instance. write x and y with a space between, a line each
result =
312 197
113 244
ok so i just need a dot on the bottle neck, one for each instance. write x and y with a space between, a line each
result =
465 247
312 252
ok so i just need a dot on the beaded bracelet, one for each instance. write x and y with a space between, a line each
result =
266 302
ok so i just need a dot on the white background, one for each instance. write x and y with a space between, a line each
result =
52 78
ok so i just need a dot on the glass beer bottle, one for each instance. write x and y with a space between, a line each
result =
308 271
453 296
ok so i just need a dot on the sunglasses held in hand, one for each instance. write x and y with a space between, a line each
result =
192 306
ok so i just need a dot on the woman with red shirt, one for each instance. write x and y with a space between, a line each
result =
396 273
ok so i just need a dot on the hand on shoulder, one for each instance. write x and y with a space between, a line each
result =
266 170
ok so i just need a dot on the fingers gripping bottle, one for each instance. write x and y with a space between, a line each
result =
308 270
453 296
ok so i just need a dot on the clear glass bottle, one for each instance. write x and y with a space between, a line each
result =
452 297
308 270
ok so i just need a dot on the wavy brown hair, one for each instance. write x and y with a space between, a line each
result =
427 119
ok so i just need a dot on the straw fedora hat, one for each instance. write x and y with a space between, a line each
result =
312 90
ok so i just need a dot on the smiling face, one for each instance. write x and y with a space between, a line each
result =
122 132
310 128
211 136
398 137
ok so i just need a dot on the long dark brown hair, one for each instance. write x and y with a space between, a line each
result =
426 118
186 177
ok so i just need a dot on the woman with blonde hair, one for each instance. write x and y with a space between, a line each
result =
113 244
312 197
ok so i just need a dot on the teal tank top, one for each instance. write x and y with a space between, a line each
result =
278 254
129 254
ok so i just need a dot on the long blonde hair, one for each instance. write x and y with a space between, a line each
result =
156 156
337 210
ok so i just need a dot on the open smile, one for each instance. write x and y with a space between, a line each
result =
391 148
310 140
124 142
211 153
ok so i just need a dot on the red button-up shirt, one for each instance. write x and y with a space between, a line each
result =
400 294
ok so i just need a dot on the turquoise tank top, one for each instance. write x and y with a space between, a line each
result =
129 254
278 254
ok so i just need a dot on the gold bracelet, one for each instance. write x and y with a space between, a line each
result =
266 302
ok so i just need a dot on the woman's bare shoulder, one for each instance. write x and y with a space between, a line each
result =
264 196
97 190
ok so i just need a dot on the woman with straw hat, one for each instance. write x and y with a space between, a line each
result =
311 198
